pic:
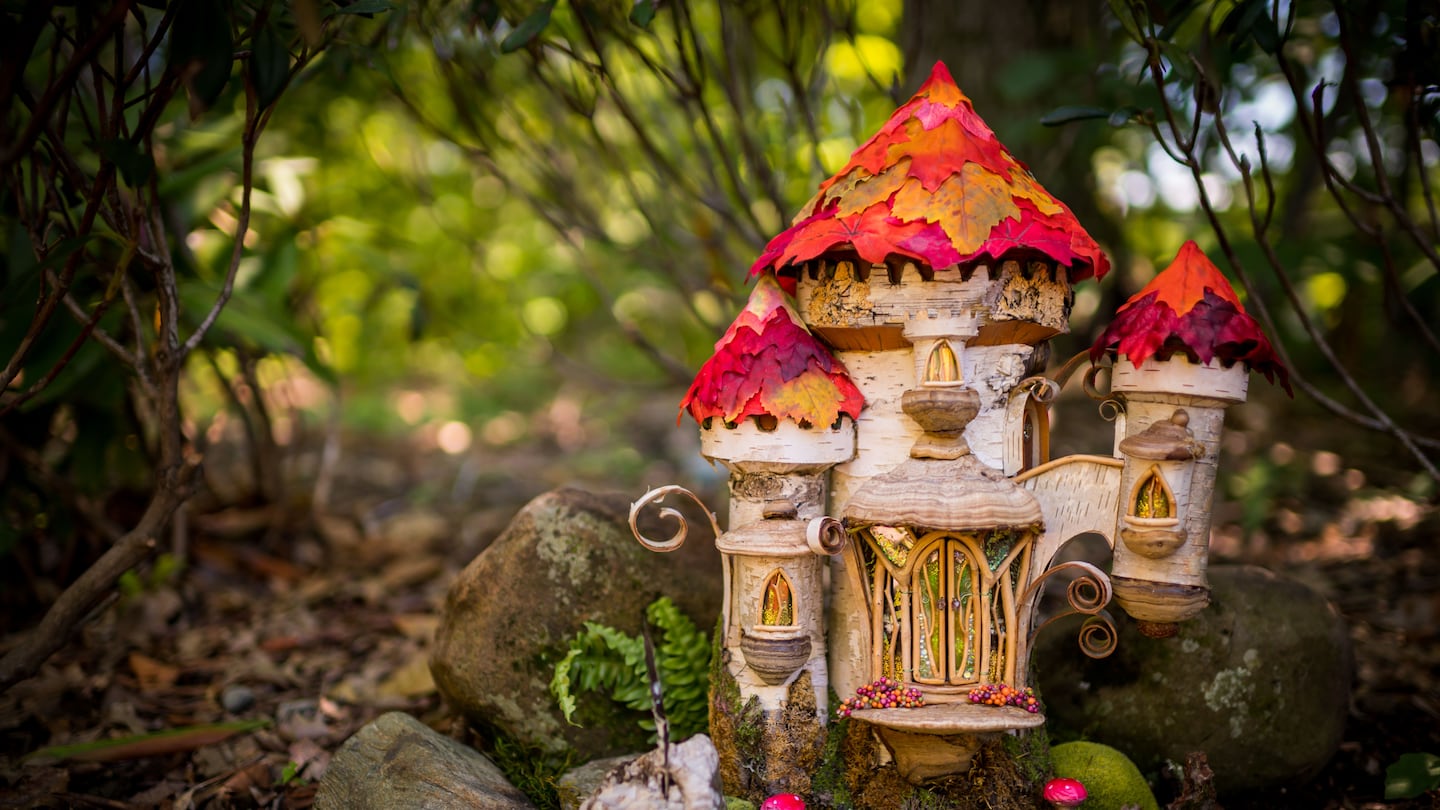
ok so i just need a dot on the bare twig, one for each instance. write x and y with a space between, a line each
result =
1189 158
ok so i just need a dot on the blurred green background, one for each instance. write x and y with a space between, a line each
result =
490 241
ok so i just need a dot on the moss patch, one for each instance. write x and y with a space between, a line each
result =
794 742
736 727
1006 772
1109 776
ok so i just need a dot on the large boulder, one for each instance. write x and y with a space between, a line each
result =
1259 681
568 557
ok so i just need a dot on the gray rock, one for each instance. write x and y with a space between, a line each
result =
567 558
397 761
237 698
1259 681
579 783
688 779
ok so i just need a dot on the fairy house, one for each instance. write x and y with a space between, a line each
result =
887 373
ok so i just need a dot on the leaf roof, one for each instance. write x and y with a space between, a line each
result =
1191 307
934 185
769 364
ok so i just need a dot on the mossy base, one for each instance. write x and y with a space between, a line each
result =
1007 771
764 753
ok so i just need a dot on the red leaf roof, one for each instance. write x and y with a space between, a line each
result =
934 185
769 364
1191 307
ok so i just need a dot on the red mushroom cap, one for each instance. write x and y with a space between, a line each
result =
785 801
1064 792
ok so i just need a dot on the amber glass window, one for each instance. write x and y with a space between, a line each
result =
778 605
942 366
1152 498
943 613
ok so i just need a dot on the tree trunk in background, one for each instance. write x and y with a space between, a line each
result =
985 44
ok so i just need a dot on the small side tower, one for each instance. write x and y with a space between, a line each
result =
1181 348
778 411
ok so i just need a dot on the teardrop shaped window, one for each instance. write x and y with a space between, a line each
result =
1152 497
778 605
942 366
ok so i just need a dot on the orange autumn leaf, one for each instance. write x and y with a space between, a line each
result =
936 154
873 235
1184 282
1190 307
873 190
934 163
873 156
1024 186
809 398
769 364
967 206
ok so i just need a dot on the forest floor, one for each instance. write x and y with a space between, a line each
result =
314 624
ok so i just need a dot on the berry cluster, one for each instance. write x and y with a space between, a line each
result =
998 694
882 694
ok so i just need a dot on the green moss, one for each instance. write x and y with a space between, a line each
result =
1109 776
1030 751
736 727
828 786
534 772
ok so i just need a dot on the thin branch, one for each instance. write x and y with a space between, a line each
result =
1192 162
105 176
98 581
62 84
242 227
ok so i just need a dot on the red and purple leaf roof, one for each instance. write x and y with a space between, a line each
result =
934 185
769 364
1190 306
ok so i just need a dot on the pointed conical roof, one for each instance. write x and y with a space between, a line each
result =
935 185
769 364
1191 307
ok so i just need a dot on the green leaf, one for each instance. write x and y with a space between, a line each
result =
146 745
1177 19
269 65
201 49
135 165
486 11
1065 115
1124 115
245 317
528 29
366 7
1266 34
643 13
1412 775
1126 17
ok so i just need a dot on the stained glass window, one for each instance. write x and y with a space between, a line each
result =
778 607
1152 500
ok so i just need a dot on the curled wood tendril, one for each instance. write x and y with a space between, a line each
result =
1087 595
1043 389
655 496
825 536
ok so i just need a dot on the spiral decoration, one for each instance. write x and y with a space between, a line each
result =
1097 635
1087 595
676 540
1042 388
825 536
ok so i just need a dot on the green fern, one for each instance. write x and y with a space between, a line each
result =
604 660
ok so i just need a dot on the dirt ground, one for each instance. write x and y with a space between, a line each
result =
314 624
